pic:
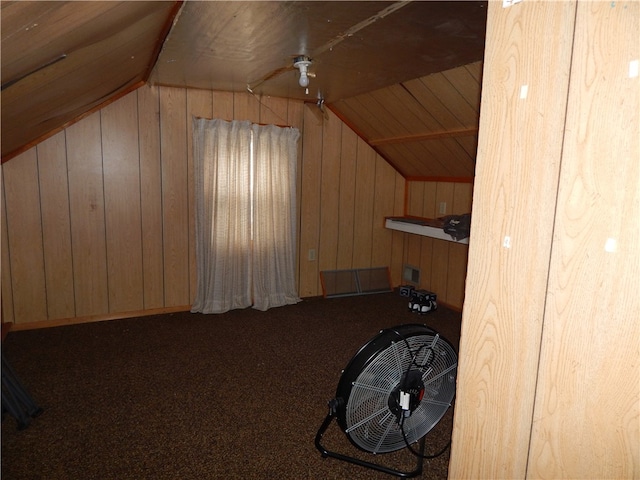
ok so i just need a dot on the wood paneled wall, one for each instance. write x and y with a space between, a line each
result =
97 220
442 264
347 190
549 359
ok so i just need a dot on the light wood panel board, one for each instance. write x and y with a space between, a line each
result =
56 226
274 110
151 196
398 238
384 187
512 226
586 420
310 204
22 198
175 205
329 192
363 213
86 202
467 87
348 152
456 273
121 167
462 198
62 59
246 107
6 312
223 105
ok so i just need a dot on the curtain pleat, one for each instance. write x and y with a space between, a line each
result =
274 235
245 215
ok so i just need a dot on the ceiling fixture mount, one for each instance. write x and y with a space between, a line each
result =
303 63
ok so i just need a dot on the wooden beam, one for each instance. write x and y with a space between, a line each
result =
466 132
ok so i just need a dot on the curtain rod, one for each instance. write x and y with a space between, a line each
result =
255 123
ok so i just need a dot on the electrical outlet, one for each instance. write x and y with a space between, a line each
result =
442 209
312 254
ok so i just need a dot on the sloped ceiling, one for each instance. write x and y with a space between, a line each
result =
404 75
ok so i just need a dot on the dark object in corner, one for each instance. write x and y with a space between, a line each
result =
15 399
458 226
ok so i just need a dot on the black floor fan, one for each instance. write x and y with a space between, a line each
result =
392 393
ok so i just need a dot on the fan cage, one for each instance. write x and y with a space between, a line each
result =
376 372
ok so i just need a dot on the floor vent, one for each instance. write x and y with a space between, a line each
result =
357 281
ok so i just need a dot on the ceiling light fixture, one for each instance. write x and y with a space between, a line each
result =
302 63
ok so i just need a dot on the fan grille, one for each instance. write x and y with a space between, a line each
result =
368 421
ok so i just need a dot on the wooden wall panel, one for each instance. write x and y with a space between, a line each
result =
274 111
347 181
121 168
330 192
383 205
86 205
311 174
363 213
151 197
514 198
442 264
223 105
587 412
120 184
22 199
462 197
56 226
427 209
456 273
6 311
398 238
246 107
175 204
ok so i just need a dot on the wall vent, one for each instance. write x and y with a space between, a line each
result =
411 274
358 281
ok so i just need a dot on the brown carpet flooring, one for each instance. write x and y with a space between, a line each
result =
189 396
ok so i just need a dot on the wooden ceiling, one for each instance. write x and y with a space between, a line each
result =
405 75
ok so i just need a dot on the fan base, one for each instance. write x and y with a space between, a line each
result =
363 463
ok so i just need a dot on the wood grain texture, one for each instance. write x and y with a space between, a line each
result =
311 174
121 167
439 273
22 198
410 122
348 147
56 226
363 212
125 173
514 196
587 415
175 204
398 238
383 203
330 192
86 205
7 292
151 196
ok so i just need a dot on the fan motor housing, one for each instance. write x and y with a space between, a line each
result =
412 387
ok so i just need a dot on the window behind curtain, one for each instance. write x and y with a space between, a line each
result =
245 215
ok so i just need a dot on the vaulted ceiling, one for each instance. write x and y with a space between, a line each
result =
404 75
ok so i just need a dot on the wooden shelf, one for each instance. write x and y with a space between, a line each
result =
427 227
